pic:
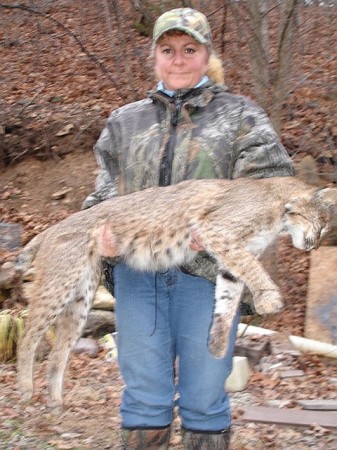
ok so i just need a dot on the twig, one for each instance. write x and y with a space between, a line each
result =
32 100
216 10
16 157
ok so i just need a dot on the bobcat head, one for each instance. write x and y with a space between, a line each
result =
307 216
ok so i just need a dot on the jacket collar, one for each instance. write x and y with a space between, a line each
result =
160 86
199 96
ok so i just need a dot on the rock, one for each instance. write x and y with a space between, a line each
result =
10 236
67 129
253 349
99 322
86 345
238 379
61 193
7 273
103 299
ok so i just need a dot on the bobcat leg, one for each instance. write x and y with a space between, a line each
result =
227 300
35 328
266 295
69 328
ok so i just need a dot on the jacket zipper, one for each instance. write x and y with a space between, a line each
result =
165 173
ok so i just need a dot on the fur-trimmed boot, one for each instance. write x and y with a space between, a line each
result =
201 440
143 438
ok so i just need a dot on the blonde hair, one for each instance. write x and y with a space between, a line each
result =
215 69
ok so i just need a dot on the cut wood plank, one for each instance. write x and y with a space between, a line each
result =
293 417
319 404
291 374
321 308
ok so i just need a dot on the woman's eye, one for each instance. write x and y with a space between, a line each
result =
167 51
190 50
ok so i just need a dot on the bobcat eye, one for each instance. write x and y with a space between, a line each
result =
288 209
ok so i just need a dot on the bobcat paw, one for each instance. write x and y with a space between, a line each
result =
25 389
219 336
26 396
56 408
268 302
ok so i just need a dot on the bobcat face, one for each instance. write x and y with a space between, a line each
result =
306 220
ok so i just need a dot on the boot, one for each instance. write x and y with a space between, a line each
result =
206 440
141 439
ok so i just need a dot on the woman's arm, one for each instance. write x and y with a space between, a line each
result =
258 151
107 180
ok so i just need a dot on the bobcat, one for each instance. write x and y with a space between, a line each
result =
153 230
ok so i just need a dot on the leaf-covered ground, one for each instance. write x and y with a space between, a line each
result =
92 396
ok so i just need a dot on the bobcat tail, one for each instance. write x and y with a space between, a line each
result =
26 256
22 264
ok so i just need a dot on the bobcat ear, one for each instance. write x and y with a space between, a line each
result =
328 196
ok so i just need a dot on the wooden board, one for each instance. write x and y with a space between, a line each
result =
321 312
293 417
320 404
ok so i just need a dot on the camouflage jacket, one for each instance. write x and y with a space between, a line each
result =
205 132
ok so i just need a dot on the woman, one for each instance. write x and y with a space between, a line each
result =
188 127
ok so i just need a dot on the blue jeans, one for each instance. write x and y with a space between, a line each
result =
163 321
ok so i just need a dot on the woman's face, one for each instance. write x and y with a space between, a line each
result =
180 61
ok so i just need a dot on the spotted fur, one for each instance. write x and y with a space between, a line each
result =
153 229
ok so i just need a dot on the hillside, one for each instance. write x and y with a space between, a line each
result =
64 66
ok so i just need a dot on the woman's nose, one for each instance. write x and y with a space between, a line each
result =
178 58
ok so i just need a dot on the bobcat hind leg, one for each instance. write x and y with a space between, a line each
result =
69 328
227 300
38 322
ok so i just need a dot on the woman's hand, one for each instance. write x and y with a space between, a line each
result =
106 242
196 244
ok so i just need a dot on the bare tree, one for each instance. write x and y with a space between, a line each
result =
271 71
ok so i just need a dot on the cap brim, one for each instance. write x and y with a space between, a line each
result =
197 36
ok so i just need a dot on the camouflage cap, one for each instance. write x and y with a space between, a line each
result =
187 20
